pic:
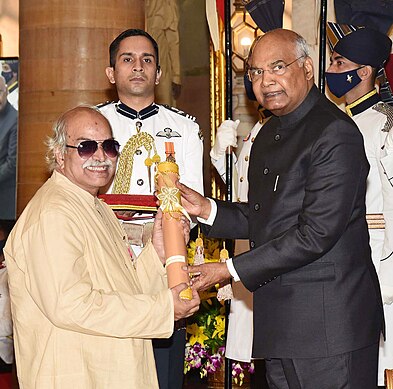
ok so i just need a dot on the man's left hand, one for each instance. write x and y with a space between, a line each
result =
209 274
158 235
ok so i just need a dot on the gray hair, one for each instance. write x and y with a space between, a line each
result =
58 140
302 48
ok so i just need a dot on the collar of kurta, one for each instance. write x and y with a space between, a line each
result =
131 113
61 180
290 120
363 103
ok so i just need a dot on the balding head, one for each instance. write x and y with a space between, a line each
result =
73 135
58 140
281 71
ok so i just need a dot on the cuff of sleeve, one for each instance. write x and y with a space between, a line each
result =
213 213
214 155
232 270
172 312
155 260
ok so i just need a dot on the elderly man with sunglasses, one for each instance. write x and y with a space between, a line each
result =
83 307
317 302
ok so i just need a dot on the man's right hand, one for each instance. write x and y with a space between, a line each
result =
125 215
184 308
226 136
193 202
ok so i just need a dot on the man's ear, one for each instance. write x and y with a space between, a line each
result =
309 68
109 71
158 75
59 157
365 72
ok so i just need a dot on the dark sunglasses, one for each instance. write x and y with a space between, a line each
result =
87 148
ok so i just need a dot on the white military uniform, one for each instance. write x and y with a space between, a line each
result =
240 324
366 113
164 124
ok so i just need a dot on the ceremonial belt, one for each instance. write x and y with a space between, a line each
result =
375 221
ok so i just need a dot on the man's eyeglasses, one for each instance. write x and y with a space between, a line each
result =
87 148
279 69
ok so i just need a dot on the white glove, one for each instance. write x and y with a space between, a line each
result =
226 136
389 142
387 294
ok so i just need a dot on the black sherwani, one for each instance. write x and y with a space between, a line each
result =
316 292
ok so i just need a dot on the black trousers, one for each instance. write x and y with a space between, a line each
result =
169 356
353 370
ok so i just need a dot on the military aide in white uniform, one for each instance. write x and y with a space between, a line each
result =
142 128
351 74
240 324
136 72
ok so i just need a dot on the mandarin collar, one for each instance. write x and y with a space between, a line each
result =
131 113
363 103
301 111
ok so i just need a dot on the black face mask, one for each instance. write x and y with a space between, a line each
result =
341 83
7 76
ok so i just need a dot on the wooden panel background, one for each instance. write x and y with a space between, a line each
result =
63 53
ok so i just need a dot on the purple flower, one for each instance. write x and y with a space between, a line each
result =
236 369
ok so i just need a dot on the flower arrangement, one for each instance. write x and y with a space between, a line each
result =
205 348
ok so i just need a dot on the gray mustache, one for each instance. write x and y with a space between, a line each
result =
106 163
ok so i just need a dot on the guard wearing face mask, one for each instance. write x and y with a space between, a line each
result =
355 60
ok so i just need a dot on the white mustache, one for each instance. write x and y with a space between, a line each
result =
106 163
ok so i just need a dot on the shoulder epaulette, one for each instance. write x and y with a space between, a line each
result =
180 112
104 104
387 110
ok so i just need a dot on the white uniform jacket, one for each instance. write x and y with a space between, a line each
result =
379 200
165 125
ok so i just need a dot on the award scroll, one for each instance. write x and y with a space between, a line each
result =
174 243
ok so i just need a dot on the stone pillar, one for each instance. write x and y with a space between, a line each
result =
64 47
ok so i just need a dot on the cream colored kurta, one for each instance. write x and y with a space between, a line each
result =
83 311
